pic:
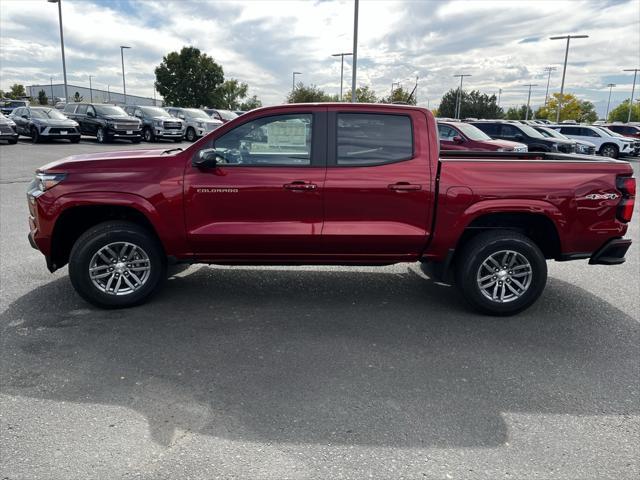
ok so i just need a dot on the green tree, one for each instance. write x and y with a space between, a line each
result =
572 109
1 93
399 95
473 104
519 113
42 97
588 112
77 97
16 91
189 78
363 95
230 93
621 112
310 94
250 104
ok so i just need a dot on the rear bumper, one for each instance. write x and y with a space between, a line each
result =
611 253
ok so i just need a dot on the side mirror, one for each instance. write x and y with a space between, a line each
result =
207 158
90 113
181 116
458 139
24 115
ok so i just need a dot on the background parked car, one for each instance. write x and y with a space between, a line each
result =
223 115
197 121
157 123
518 132
606 145
8 131
105 122
635 143
45 123
582 147
8 106
239 112
626 130
464 136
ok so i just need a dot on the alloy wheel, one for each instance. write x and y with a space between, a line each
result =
504 276
119 268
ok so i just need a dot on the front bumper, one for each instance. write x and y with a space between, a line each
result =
611 253
160 133
113 133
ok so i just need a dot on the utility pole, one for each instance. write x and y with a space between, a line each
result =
293 81
341 55
52 98
546 95
499 94
633 89
564 69
459 96
109 93
355 52
90 89
611 85
124 85
526 115
64 65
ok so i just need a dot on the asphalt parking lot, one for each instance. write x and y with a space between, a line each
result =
275 373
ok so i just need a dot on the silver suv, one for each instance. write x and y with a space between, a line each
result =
197 121
157 123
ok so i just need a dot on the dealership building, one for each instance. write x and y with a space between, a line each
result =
96 95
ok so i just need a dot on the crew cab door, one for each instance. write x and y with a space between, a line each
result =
378 193
263 200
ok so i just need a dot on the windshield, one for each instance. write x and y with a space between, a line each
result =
227 115
196 113
532 132
155 111
15 103
550 132
47 113
472 133
110 110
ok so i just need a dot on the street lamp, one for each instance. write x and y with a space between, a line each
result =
611 85
109 93
355 52
526 115
499 94
633 89
51 83
564 69
124 86
546 95
64 65
293 82
341 55
90 88
459 96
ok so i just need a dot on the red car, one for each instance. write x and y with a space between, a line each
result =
625 129
347 184
464 136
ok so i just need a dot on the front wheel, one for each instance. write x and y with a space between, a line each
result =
101 136
116 264
501 272
609 150
35 135
191 134
148 135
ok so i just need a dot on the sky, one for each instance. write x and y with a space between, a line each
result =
503 44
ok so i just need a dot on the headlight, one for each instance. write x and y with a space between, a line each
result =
45 181
157 123
501 150
554 147
111 124
200 124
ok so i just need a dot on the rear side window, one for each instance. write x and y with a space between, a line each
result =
373 139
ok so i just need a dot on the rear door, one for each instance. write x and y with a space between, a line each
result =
377 191
263 202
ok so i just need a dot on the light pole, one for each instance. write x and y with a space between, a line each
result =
52 99
90 88
109 93
499 94
293 82
341 55
355 52
564 69
546 95
526 115
459 96
124 86
611 85
633 89
64 65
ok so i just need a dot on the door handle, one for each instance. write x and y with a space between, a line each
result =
300 185
404 186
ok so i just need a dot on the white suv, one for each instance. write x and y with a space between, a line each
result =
606 145
197 121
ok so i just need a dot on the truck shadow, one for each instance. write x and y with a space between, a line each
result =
323 357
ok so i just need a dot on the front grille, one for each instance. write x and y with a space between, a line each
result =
126 126
59 130
173 125
591 150
566 148
6 129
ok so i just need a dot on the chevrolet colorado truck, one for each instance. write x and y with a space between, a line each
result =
339 184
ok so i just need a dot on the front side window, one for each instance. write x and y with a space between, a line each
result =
82 109
69 108
509 131
373 139
277 140
491 129
589 132
111 110
446 133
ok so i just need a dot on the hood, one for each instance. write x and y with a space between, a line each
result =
585 143
102 160
7 121
504 143
119 118
54 122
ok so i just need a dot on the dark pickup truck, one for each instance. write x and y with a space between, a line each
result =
347 184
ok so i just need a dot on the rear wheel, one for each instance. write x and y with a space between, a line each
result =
116 264
501 272
609 150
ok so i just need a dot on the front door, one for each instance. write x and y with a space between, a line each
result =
263 200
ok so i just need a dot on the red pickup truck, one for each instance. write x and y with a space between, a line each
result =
345 184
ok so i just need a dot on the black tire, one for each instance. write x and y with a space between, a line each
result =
13 141
609 150
177 140
75 140
136 140
191 135
148 135
106 233
101 136
35 135
470 260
